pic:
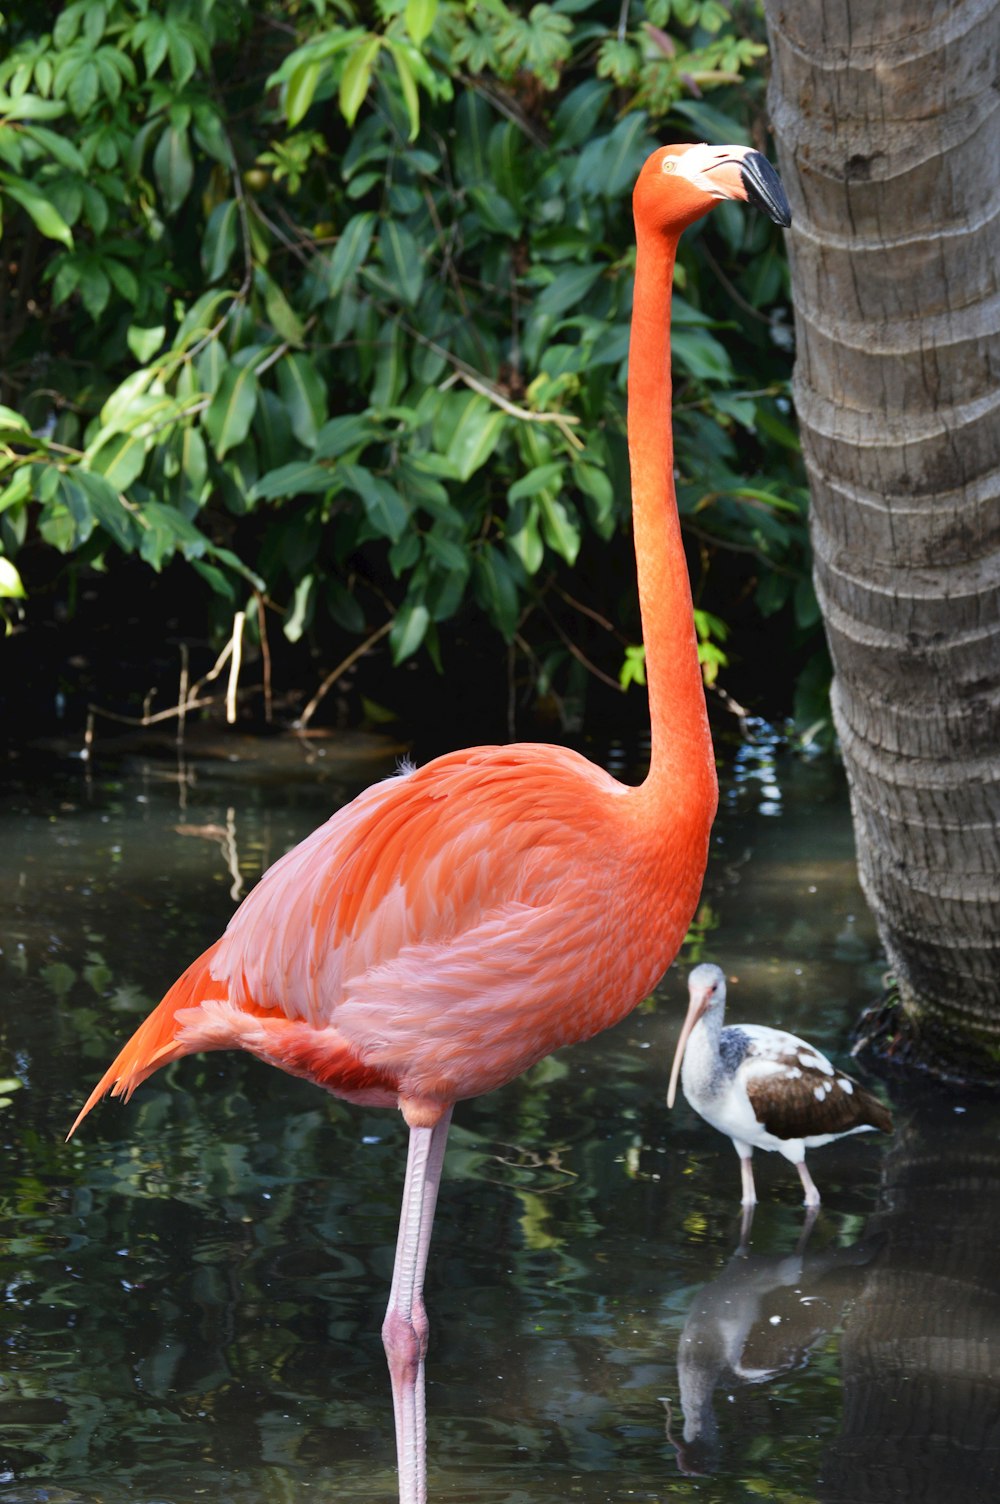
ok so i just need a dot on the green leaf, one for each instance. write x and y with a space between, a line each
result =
219 582
524 537
357 76
341 435
167 530
578 113
83 88
633 670
408 86
30 107
123 279
496 590
183 60
120 459
47 219
496 212
559 528
701 355
173 166
201 317
11 585
74 498
144 343
220 239
595 483
474 436
58 147
446 552
624 152
409 628
211 365
302 608
112 515
567 290
301 88
304 396
284 320
231 410
402 260
474 119
351 250
384 506
300 478
541 478
95 288
711 124
10 419
420 16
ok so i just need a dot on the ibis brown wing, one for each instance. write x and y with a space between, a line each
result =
798 1101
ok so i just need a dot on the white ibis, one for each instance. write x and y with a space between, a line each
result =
764 1088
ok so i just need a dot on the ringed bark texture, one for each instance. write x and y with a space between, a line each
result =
887 118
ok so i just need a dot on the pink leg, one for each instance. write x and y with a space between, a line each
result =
749 1189
808 1185
405 1328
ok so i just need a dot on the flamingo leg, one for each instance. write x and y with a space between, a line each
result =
749 1197
405 1328
808 1185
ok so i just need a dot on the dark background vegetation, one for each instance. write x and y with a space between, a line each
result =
319 313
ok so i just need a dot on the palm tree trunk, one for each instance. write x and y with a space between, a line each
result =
888 127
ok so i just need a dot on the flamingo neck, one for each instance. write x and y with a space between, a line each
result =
681 757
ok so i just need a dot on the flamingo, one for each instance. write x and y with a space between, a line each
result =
764 1088
459 921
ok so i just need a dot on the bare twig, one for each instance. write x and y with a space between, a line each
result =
602 621
561 420
335 674
152 719
182 695
235 661
579 654
265 653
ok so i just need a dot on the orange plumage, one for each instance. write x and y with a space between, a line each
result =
439 934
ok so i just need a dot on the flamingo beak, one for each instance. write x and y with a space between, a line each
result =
696 1008
763 188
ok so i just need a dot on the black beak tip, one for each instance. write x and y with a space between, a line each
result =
764 189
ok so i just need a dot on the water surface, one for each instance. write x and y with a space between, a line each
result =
194 1287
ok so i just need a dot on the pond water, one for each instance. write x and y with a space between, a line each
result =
193 1289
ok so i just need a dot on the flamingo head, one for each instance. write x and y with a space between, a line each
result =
678 184
706 991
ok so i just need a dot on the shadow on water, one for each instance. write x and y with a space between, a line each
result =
193 1289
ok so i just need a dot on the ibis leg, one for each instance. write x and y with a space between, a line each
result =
808 1185
405 1328
749 1197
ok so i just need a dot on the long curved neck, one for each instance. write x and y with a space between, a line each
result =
681 743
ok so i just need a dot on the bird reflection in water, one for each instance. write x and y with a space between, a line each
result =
754 1322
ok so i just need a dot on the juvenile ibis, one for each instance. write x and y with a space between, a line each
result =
764 1088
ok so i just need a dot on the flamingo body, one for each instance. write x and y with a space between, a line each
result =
765 1088
449 927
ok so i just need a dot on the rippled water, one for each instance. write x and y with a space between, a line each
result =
194 1287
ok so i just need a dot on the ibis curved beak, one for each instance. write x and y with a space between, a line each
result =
696 1008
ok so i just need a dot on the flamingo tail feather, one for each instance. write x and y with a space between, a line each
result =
153 1044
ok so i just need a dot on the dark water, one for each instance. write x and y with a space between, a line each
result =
194 1287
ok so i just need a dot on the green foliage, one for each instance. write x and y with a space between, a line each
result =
332 303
